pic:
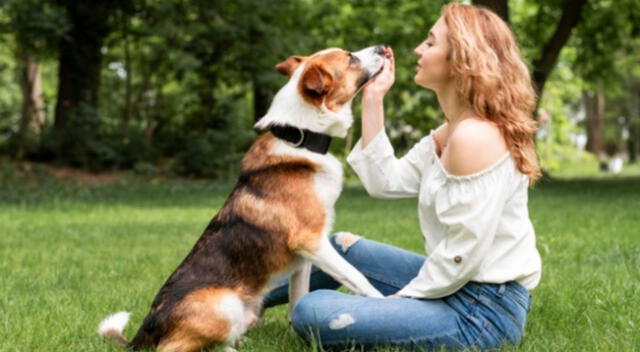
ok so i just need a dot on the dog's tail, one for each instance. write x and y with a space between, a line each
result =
112 326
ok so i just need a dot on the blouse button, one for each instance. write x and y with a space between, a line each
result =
457 259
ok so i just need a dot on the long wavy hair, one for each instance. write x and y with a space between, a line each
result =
493 78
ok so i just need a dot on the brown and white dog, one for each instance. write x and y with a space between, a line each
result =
276 220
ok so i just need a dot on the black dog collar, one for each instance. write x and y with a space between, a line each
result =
302 138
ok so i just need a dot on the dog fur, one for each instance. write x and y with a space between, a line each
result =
274 223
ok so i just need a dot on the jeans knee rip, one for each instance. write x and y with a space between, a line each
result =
341 322
346 240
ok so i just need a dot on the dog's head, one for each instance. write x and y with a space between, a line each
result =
333 77
321 88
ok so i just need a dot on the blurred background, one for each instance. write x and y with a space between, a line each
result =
173 87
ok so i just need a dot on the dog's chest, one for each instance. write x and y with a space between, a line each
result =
328 181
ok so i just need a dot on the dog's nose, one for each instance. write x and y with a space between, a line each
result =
380 49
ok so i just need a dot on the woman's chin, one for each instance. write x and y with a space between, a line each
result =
419 82
422 82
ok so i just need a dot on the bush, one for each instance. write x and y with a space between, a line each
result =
212 154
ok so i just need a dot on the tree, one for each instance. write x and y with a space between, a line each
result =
179 83
607 47
600 32
594 106
35 26
500 7
77 122
33 116
543 64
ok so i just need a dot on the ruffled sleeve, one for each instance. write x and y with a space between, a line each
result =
470 207
385 176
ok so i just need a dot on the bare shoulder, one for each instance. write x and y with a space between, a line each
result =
439 136
473 146
441 129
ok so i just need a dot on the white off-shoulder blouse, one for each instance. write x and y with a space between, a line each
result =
476 227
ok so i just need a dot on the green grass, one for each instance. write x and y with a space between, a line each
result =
71 254
587 166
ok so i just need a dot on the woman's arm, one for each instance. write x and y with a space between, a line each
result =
373 159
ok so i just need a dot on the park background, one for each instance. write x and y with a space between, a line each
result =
123 122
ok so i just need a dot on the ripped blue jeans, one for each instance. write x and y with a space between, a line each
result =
479 315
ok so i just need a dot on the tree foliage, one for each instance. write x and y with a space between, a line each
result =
177 84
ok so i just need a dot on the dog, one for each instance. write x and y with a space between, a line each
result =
275 222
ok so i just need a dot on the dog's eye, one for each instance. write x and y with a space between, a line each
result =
352 59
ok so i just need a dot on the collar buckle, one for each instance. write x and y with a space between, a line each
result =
299 143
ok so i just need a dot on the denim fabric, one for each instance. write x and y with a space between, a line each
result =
479 315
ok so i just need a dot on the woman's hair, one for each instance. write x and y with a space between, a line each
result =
493 78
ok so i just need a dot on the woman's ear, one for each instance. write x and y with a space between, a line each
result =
288 66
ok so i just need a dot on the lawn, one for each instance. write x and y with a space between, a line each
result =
71 254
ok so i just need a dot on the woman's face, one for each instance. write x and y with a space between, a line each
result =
433 68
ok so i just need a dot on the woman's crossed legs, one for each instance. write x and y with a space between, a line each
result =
336 319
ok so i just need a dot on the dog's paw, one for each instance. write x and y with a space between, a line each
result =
229 349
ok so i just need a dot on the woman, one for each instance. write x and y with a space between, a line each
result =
471 177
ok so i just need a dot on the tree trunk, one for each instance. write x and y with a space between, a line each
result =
500 7
632 143
542 66
206 117
80 62
32 103
127 110
594 106
261 95
261 100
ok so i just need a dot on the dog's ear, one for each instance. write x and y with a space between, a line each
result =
289 65
316 82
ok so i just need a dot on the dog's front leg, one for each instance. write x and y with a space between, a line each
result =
298 285
327 259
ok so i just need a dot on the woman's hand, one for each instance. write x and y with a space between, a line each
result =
379 86
372 94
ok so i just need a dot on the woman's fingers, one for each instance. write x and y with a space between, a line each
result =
380 84
388 53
